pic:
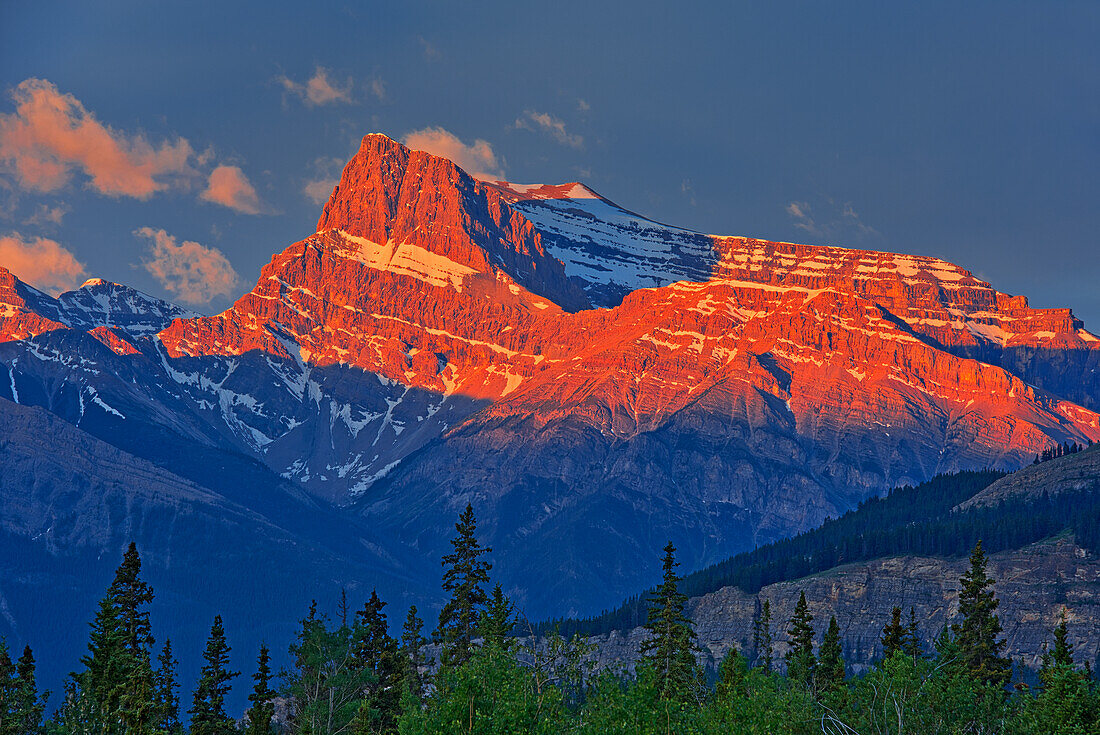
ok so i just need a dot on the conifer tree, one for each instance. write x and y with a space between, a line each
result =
9 693
911 645
893 634
464 577
117 682
208 716
670 649
498 620
165 693
979 649
262 708
28 706
830 660
1062 655
762 636
800 652
378 656
732 673
412 646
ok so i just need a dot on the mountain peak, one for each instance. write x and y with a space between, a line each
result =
91 282
389 193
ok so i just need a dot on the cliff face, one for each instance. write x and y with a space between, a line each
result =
432 344
1033 584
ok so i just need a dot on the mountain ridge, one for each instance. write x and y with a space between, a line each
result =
441 340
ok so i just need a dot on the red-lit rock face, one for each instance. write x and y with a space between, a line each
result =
19 319
569 367
411 278
435 281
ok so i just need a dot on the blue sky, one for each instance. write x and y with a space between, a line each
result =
969 133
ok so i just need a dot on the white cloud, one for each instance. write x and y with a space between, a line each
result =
41 262
552 126
476 159
192 272
318 89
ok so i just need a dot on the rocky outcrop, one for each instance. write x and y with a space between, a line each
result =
1034 585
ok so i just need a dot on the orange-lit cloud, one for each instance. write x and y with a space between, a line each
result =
552 126
51 135
318 90
229 187
194 273
478 159
41 262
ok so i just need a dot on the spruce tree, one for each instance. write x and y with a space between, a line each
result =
262 708
1062 655
670 649
116 685
208 716
165 693
412 646
732 674
378 656
800 652
893 634
464 577
762 636
497 621
911 645
979 649
28 706
830 660
9 693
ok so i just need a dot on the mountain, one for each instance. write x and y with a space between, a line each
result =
909 549
242 543
593 382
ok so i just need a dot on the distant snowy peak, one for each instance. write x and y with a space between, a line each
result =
101 303
25 311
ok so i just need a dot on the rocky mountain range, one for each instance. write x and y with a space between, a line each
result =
595 383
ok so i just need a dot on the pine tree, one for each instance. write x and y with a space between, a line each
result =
911 644
732 673
262 708
762 636
9 693
117 681
412 646
28 706
464 575
830 661
1062 655
165 695
378 656
497 621
670 649
800 652
208 716
979 650
893 634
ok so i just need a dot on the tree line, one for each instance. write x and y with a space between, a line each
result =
349 675
918 520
